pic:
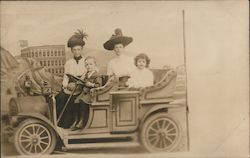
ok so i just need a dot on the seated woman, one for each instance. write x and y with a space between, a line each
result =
75 67
141 76
92 80
121 65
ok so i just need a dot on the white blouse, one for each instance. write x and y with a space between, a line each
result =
120 66
71 67
141 78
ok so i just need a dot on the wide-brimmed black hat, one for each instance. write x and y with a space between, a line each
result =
77 39
117 38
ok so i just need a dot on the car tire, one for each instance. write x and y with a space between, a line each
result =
34 137
160 133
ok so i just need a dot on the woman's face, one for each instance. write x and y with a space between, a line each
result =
76 50
90 64
119 49
141 63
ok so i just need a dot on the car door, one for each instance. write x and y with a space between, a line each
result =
124 111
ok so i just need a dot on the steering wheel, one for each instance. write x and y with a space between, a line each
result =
76 78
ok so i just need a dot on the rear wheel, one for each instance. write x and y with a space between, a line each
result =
160 132
33 137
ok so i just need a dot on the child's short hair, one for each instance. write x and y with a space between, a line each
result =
90 57
142 56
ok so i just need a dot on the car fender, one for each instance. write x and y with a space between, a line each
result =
156 109
41 118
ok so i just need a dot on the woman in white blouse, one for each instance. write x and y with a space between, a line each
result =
75 67
122 64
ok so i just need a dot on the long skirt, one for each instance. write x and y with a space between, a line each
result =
70 112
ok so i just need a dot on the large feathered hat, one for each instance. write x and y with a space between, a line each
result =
77 39
117 38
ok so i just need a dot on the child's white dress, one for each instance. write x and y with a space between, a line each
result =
141 78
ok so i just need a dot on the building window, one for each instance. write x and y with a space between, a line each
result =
48 63
48 53
55 62
51 53
41 63
59 62
44 53
55 52
56 71
32 54
52 63
36 54
59 53
44 63
40 53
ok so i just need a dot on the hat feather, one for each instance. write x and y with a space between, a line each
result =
81 34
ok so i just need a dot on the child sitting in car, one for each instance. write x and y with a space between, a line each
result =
141 76
92 79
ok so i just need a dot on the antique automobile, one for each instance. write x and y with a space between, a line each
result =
118 117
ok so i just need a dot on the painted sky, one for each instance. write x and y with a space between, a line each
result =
155 27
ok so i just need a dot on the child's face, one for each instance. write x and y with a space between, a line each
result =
90 65
141 63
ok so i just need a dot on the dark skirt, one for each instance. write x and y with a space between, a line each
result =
70 112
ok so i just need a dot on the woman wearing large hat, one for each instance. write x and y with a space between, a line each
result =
75 67
121 65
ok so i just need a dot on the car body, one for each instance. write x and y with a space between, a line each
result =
118 117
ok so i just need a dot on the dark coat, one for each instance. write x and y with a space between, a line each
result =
85 95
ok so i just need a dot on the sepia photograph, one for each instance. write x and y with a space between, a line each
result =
124 78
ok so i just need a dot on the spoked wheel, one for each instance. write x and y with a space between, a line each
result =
34 137
160 133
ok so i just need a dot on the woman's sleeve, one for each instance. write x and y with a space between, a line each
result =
109 69
65 77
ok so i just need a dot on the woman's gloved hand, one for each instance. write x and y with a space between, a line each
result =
71 86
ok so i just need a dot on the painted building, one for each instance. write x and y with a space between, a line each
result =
52 57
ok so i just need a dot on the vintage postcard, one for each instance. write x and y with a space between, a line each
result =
124 78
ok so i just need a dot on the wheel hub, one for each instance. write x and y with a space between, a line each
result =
34 140
162 134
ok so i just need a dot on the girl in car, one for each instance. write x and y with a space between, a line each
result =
141 76
91 79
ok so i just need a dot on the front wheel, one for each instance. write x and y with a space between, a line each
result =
33 137
160 132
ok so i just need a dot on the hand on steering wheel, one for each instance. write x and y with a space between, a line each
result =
77 80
